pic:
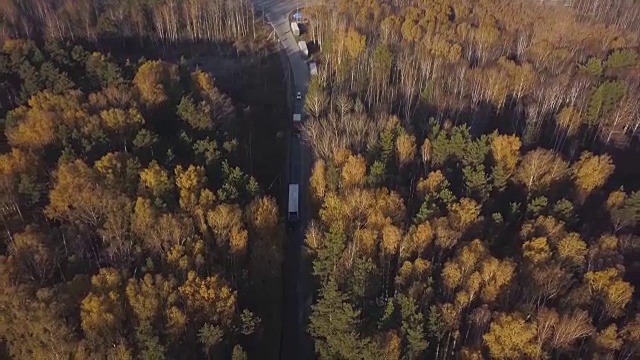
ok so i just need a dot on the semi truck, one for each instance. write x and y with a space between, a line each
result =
303 47
293 203
295 28
313 69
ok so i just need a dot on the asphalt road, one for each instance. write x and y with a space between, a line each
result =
294 343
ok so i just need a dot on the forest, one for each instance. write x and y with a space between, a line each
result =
475 186
139 181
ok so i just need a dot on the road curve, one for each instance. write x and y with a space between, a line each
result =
294 344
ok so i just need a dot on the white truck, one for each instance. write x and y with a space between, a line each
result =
297 121
313 69
295 28
293 203
303 47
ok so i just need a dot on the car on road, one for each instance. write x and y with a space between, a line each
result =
298 95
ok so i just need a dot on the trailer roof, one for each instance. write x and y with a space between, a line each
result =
293 198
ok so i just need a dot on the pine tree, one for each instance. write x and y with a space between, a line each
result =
412 328
329 253
334 326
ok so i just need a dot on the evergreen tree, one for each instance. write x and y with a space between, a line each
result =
412 328
334 326
329 254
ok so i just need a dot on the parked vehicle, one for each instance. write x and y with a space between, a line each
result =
303 47
295 28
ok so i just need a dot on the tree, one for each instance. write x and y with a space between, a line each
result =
208 299
505 151
119 171
625 210
591 171
317 180
34 253
102 310
572 250
122 123
463 214
210 336
238 353
510 337
190 183
621 58
156 180
33 323
149 296
354 43
631 335
391 346
328 255
539 169
148 343
559 332
412 328
155 82
76 196
316 100
32 128
607 340
222 220
333 325
354 171
197 116
103 73
405 148
611 292
418 239
604 99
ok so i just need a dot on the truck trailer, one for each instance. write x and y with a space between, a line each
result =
293 203
295 28
297 121
303 47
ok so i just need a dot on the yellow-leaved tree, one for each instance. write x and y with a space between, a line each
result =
405 148
591 171
354 171
318 180
208 299
102 310
609 290
511 337
155 179
77 194
154 82
505 150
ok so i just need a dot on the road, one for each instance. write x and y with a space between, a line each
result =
294 342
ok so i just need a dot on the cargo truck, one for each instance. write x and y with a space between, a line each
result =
297 121
303 47
295 28
293 203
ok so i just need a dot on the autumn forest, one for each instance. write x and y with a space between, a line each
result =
473 192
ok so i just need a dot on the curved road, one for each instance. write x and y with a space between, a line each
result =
294 343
